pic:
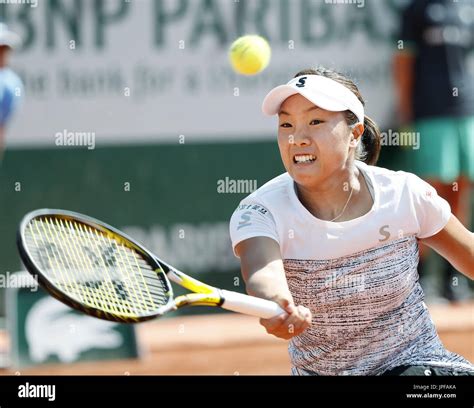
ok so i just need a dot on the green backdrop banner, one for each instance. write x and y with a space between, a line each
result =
177 200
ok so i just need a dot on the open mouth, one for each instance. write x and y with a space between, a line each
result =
304 158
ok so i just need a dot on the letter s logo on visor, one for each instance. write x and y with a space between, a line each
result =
302 82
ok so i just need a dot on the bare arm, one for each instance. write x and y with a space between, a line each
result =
264 276
456 244
262 269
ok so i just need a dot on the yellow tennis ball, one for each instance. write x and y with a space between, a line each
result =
250 54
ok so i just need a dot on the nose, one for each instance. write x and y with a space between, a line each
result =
300 138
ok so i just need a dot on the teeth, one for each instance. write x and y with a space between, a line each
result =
304 158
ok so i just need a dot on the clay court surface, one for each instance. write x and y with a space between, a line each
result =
230 345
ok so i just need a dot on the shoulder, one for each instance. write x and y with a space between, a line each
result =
408 189
267 202
386 177
255 215
272 191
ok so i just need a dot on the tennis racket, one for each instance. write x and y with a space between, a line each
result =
96 269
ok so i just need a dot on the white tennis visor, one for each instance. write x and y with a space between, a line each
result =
323 92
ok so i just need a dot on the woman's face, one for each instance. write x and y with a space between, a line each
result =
314 143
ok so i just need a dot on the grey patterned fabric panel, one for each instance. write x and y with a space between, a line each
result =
368 314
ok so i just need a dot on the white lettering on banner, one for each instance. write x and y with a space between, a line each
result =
31 3
160 91
204 248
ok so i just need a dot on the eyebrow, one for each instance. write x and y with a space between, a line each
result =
307 110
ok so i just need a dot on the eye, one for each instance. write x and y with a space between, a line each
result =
285 125
315 122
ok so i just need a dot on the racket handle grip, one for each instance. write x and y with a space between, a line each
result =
250 305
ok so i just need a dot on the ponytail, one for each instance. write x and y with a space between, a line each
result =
369 147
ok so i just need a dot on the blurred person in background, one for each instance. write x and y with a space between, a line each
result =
11 87
434 79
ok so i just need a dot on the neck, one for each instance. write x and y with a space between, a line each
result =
327 200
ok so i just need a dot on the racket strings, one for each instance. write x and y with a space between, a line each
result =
95 267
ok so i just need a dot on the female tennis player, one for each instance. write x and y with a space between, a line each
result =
335 241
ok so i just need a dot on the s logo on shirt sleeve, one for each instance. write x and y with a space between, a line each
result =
245 220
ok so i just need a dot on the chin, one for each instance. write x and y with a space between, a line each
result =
305 180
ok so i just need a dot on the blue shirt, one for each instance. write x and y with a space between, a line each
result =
11 91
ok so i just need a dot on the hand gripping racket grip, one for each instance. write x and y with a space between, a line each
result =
237 302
